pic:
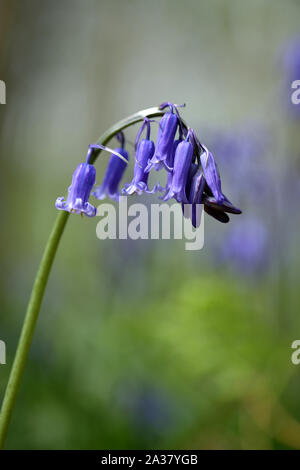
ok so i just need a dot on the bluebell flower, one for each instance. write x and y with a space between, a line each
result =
211 174
165 137
169 164
195 185
192 174
113 175
83 181
144 152
182 162
139 183
198 191
194 191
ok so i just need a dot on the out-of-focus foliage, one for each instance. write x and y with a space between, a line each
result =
143 344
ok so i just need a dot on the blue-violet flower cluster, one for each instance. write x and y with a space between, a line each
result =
192 174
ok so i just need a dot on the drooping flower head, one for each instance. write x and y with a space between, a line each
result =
144 152
114 172
192 175
83 181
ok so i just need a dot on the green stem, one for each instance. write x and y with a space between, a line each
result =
40 284
121 125
33 309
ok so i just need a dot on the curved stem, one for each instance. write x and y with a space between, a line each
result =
40 284
121 125
33 309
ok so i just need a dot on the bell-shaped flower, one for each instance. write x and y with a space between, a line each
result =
83 181
139 183
194 191
169 164
113 175
211 174
182 162
164 142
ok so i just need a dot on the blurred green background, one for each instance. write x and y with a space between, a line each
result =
142 344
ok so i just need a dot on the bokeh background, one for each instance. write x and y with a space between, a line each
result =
141 344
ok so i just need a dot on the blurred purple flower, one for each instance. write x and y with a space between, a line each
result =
291 58
148 408
246 245
246 153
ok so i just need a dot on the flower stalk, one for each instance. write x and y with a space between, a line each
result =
193 178
41 280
